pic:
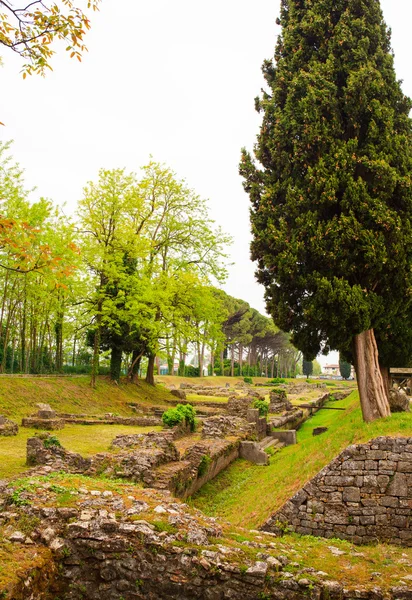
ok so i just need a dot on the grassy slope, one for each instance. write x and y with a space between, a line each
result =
247 495
19 396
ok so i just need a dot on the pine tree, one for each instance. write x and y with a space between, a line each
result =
332 195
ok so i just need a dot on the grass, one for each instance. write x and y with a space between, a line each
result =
85 439
19 396
246 494
217 399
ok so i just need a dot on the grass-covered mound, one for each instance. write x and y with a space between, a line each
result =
247 494
19 395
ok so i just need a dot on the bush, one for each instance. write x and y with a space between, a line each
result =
277 380
248 380
183 413
262 406
50 441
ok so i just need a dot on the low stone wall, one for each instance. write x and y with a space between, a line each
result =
46 424
111 420
135 544
293 418
364 495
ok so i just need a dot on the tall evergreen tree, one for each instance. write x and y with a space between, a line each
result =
344 368
307 367
332 195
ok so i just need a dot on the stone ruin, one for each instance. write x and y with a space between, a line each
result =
131 543
222 426
7 427
278 402
45 418
238 406
364 496
399 401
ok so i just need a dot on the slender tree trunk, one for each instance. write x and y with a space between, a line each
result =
240 359
115 364
222 363
96 347
232 363
135 366
150 370
272 368
74 351
372 391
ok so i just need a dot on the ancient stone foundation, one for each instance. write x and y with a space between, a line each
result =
364 495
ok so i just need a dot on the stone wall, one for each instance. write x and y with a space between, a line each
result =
134 544
364 495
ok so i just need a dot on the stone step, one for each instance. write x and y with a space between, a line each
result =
270 442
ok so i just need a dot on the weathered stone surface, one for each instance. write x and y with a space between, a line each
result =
8 427
252 452
181 394
319 430
364 495
399 401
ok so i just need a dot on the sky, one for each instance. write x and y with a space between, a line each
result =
175 80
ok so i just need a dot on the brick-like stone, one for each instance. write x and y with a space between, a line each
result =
351 494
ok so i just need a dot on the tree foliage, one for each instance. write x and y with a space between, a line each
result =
331 194
31 29
345 369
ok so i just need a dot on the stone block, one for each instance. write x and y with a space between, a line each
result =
351 494
398 486
252 452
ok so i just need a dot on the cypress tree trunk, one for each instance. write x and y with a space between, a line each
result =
115 364
386 379
372 391
150 370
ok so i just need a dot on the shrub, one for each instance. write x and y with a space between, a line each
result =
50 441
277 380
248 380
262 406
182 413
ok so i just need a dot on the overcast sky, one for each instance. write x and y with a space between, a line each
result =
176 80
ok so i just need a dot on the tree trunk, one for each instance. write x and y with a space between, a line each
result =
222 363
96 347
386 379
372 392
115 364
150 370
240 359
232 364
135 366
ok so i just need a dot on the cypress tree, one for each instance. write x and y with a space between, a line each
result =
344 368
307 367
331 187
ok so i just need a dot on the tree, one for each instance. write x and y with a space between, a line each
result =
31 29
307 368
332 196
345 369
317 369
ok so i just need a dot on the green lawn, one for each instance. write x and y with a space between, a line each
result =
85 439
19 395
247 494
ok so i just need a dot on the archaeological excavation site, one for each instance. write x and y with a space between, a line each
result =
240 490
